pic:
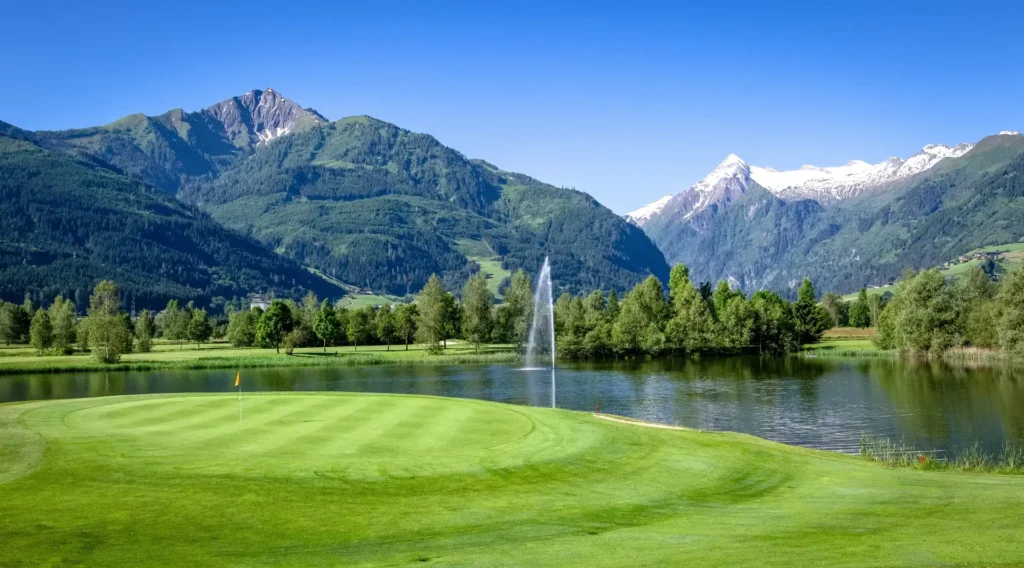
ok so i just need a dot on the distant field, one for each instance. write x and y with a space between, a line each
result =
843 344
490 264
850 333
361 300
1013 257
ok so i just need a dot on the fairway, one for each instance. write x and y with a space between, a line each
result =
361 479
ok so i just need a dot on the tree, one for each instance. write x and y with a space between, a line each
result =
242 327
7 327
199 329
128 341
359 322
107 333
452 318
386 328
325 324
41 331
837 309
518 307
1011 321
811 319
176 322
692 323
478 310
774 328
860 312
638 328
145 328
64 321
406 316
923 315
433 309
273 325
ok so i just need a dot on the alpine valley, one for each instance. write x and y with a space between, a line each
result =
843 227
257 193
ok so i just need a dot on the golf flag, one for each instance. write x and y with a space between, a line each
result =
238 379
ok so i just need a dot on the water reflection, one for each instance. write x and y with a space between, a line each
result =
815 403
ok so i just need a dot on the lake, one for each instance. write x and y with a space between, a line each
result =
825 404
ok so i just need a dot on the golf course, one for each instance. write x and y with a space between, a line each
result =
339 479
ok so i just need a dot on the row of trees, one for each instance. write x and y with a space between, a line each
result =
645 321
862 312
929 313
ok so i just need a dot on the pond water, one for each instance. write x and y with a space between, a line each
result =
809 402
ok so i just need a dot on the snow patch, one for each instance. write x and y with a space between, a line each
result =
641 215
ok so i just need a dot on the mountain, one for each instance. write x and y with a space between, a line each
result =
641 215
70 223
363 200
382 207
758 229
163 150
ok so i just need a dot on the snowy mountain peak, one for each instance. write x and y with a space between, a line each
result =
1009 133
733 176
641 215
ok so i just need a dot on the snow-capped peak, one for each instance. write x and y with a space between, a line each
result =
855 178
1009 133
641 215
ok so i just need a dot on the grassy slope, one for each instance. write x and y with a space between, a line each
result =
343 479
22 359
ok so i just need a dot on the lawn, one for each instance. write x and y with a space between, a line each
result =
23 359
332 479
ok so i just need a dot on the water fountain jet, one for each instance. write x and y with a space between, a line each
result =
542 329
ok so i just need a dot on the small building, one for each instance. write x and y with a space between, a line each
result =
259 301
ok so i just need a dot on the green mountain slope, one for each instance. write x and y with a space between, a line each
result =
378 206
761 241
70 223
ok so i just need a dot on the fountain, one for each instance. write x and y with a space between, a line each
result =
542 329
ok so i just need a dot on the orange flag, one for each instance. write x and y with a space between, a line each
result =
238 379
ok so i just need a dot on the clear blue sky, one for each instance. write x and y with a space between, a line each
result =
627 101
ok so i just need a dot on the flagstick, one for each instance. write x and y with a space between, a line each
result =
239 402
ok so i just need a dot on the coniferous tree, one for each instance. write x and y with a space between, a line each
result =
692 325
860 312
811 319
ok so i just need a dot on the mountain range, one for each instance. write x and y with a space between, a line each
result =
846 226
361 200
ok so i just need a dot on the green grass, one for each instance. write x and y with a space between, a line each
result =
355 301
331 479
22 359
844 345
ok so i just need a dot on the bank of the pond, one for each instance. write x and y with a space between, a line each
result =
370 480
220 356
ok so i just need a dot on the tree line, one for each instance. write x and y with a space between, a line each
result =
929 313
689 319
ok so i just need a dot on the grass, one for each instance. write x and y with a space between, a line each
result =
356 301
842 347
22 359
381 480
973 458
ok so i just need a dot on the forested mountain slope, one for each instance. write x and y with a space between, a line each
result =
70 223
382 207
759 240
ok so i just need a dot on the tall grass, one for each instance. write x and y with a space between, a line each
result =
972 458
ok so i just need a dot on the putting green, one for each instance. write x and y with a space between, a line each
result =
357 479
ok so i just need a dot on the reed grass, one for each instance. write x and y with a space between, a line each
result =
974 458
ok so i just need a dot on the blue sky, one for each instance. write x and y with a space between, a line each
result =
625 100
